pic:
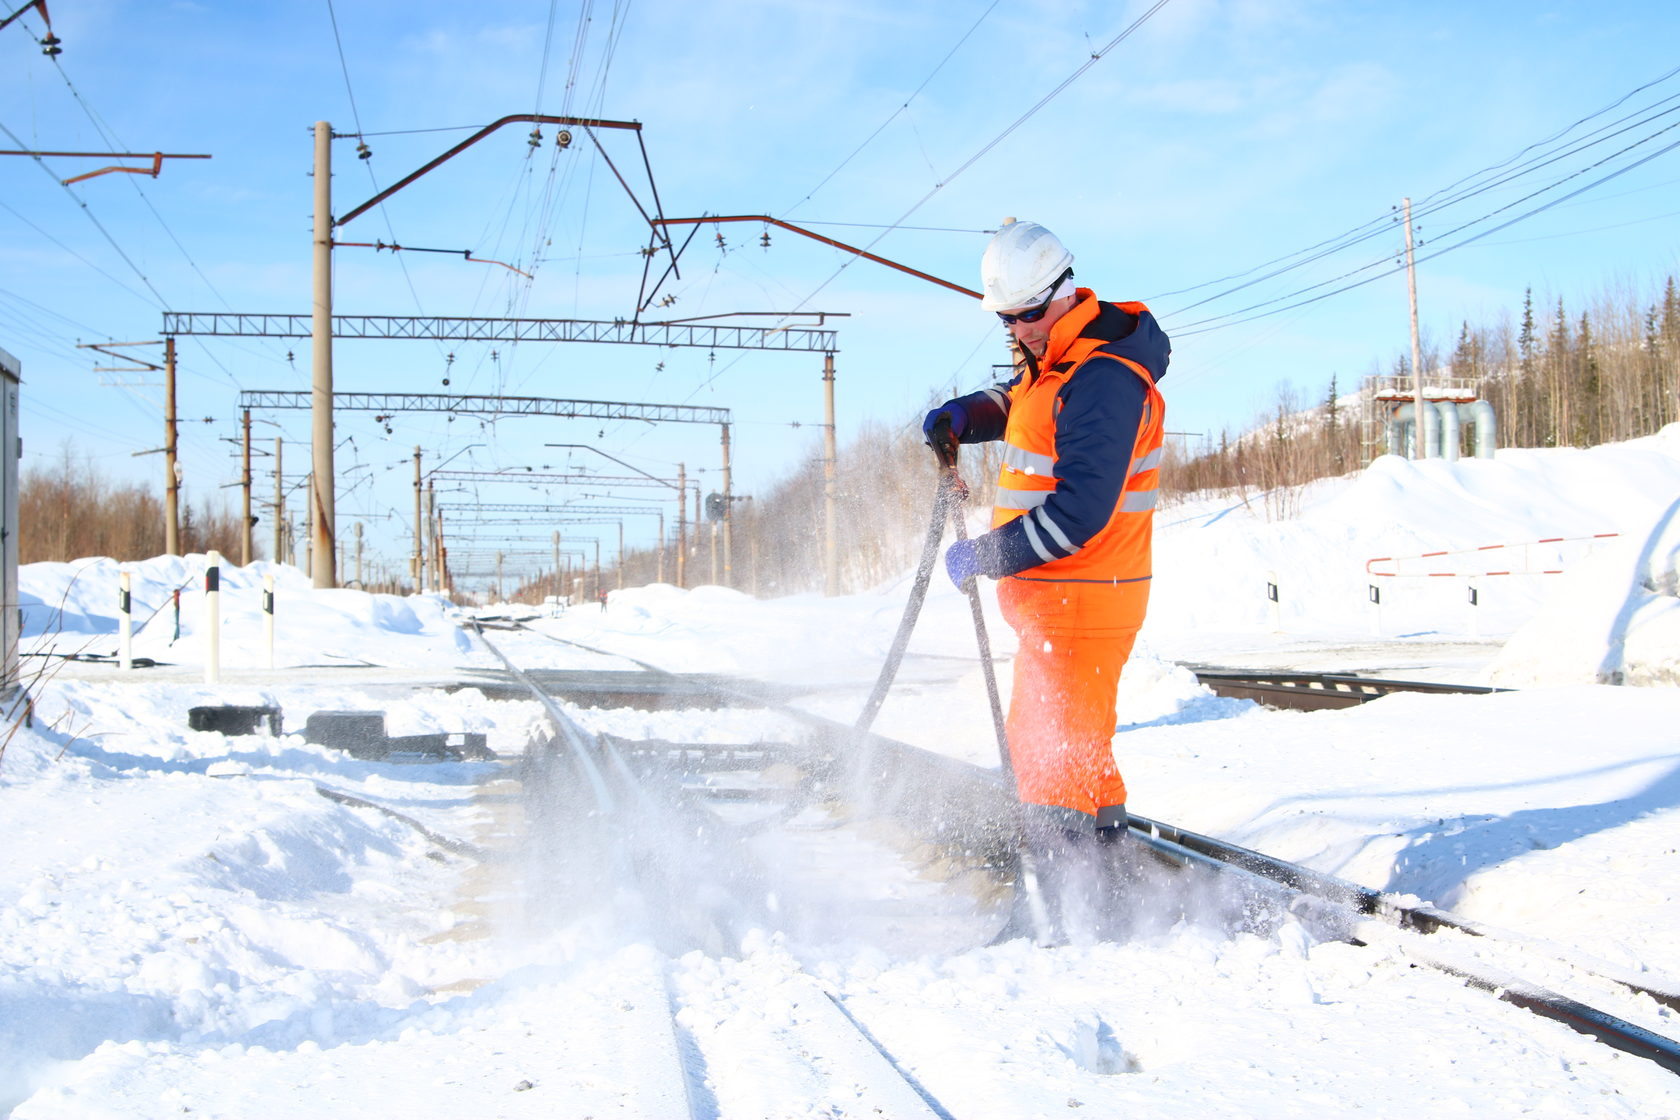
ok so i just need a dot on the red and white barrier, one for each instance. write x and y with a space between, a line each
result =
1522 567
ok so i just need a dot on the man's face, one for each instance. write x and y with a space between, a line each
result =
1035 336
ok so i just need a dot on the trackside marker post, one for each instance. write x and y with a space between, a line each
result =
268 616
1475 613
213 617
125 628
1375 594
1272 595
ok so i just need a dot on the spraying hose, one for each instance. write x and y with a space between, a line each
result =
948 498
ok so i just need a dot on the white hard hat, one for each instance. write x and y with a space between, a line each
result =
1021 264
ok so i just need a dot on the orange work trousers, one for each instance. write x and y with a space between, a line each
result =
1061 719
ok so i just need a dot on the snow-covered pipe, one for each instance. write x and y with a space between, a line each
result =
125 622
1448 412
1483 438
268 616
213 617
1405 418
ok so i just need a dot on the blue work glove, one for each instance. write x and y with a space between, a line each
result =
958 416
962 563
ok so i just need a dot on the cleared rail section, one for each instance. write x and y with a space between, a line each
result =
614 805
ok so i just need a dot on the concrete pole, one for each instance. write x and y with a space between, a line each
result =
245 542
309 549
621 556
682 525
279 506
661 515
1417 359
500 597
323 520
359 582
432 528
171 466
558 590
831 546
728 504
419 565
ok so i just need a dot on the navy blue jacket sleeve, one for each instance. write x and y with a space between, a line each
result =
1096 430
988 413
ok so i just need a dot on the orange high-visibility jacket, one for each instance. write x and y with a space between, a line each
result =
1103 584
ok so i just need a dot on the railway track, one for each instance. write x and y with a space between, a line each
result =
725 814
1311 692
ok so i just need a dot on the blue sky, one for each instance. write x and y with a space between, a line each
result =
1216 137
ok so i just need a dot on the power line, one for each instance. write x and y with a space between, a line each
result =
1190 327
894 114
1096 56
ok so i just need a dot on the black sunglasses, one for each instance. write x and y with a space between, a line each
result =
1034 314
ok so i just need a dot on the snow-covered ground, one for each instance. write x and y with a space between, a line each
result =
255 926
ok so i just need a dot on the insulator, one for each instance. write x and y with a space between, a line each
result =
536 137
363 151
720 240
765 239
563 139
49 45
446 385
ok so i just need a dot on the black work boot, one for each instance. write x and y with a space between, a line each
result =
1055 887
1115 901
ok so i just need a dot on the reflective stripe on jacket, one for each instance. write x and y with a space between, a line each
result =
1097 340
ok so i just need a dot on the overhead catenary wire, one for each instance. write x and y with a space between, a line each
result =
1214 322
1183 331
975 26
1443 198
1096 56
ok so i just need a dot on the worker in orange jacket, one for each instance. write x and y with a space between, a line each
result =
1082 426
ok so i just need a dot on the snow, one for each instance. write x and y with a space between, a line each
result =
255 926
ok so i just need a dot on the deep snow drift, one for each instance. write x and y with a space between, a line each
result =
252 926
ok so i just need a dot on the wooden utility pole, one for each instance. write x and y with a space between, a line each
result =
323 522
279 506
682 525
831 547
245 542
621 556
419 565
171 466
1417 361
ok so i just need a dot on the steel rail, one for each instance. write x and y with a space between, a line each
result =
1337 903
1318 691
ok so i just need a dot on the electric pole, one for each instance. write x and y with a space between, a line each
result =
419 565
171 466
323 523
682 525
279 506
245 542
1417 361
831 553
728 503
